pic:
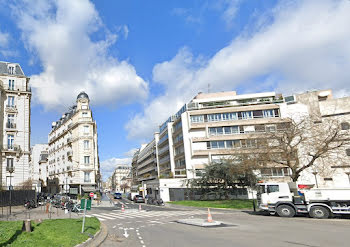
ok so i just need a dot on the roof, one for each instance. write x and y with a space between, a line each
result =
4 68
82 95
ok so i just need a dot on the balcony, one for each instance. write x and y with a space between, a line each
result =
11 108
11 148
10 125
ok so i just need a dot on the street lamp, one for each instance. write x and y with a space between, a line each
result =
10 170
315 174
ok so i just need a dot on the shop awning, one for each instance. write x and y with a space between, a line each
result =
88 188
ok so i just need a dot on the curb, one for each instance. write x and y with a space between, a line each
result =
97 239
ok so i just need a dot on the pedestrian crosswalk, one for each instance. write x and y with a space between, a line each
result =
117 214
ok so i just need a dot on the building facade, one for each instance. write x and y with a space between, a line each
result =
119 177
215 126
38 165
73 160
14 125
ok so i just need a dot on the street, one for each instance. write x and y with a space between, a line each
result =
156 226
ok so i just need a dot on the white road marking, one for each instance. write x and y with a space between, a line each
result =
141 241
114 227
140 237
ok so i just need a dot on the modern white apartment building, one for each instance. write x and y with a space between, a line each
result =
120 172
38 165
147 161
73 165
218 125
14 125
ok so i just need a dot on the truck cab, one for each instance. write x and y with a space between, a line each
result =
286 200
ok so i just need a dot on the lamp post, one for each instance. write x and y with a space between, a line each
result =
10 170
315 174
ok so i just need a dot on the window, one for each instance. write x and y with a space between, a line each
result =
247 115
86 144
270 128
87 177
84 107
348 152
11 70
11 101
86 159
9 164
214 117
275 172
197 119
229 116
11 84
86 129
268 113
10 121
10 141
345 126
272 188
180 163
85 114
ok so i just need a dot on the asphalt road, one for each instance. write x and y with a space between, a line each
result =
156 226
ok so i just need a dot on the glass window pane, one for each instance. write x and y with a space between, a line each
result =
221 144
227 130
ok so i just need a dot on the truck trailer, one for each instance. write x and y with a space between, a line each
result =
287 200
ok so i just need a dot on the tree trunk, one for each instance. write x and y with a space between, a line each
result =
27 226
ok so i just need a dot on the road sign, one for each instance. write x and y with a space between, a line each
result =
91 194
88 204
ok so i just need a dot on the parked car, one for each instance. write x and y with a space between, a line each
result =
139 198
117 195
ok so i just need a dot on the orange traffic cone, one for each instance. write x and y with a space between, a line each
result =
123 209
210 219
140 207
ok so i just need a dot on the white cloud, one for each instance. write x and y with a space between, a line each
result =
108 166
60 33
230 10
305 46
4 38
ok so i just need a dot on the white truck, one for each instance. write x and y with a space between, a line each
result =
287 200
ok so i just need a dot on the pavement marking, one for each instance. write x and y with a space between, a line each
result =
138 233
140 237
141 241
114 227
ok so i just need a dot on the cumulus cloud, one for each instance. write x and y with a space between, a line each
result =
60 34
305 46
108 166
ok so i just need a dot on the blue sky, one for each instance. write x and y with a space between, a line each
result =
140 61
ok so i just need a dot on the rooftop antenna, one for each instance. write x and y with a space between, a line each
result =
208 87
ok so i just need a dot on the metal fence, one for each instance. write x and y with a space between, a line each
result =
16 196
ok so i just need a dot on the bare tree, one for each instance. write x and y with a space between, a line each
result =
306 144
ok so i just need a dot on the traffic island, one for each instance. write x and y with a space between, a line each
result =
199 222
204 223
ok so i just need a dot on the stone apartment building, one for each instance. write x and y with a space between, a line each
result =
218 125
14 125
73 163
119 176
38 165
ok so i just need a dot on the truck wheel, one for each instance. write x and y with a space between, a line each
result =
319 212
285 211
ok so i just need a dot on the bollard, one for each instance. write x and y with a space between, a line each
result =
27 226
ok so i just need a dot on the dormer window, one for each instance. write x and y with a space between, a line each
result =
11 70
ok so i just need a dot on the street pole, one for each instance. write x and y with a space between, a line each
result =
11 170
82 229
